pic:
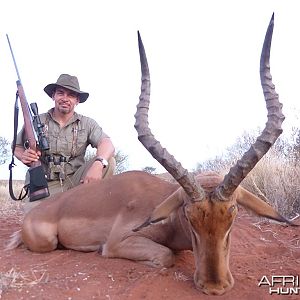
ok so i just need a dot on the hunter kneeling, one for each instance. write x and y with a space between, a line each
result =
68 135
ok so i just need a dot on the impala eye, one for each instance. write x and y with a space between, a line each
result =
231 209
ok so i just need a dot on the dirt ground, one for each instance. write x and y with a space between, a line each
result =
258 248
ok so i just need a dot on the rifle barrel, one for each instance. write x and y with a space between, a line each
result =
13 57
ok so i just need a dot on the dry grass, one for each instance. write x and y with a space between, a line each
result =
278 183
179 276
9 207
18 280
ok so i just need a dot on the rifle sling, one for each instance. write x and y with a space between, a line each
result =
12 164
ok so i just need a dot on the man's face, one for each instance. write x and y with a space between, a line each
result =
65 100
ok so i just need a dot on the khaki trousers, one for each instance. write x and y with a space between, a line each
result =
55 186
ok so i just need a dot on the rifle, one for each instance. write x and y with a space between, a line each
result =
36 140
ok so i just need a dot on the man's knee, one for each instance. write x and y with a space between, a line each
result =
110 169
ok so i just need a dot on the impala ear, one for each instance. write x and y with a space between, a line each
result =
258 206
163 210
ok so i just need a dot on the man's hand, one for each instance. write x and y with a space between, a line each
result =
94 173
28 156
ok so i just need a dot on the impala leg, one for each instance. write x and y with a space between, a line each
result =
140 249
39 236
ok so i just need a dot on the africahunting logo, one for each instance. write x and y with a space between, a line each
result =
281 284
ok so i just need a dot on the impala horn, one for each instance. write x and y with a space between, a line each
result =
145 136
272 128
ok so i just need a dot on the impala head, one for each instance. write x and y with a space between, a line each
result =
210 201
210 224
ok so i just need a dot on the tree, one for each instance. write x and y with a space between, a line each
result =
121 162
150 170
224 162
4 150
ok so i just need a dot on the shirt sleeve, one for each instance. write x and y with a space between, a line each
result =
96 133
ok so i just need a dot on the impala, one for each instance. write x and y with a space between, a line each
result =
138 216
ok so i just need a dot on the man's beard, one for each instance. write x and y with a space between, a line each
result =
65 110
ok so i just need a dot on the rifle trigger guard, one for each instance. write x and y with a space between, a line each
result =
26 144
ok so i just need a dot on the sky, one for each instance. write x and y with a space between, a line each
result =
203 58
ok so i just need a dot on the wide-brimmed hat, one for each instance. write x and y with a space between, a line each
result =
68 82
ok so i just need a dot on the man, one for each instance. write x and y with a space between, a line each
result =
68 135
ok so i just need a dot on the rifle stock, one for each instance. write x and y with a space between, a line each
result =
38 187
32 142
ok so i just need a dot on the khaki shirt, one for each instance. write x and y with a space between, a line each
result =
65 142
